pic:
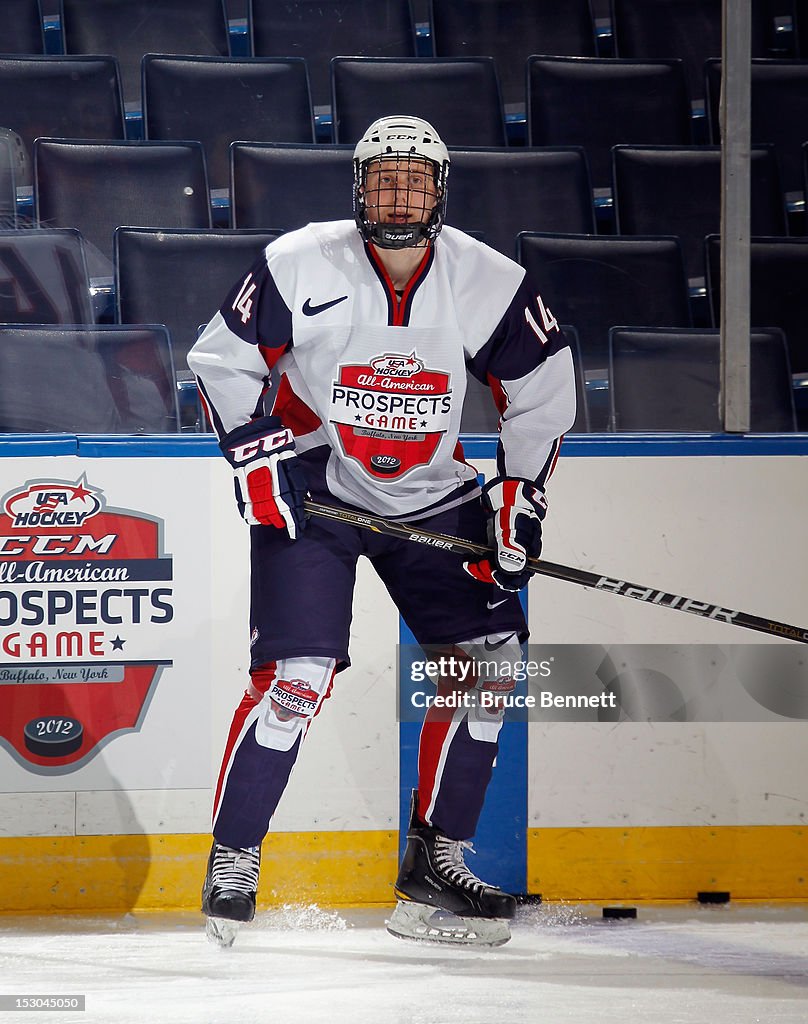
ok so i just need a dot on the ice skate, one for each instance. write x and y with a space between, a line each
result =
440 899
229 892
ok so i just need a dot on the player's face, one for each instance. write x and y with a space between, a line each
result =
400 190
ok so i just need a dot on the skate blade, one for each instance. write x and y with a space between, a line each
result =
221 932
426 924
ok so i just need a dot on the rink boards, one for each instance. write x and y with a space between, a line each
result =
123 629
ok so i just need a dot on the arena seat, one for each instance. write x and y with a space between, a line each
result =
459 97
669 190
599 103
43 277
670 380
21 27
687 29
318 30
128 29
87 380
219 100
598 282
510 31
778 296
779 90
97 186
501 192
61 97
179 278
289 186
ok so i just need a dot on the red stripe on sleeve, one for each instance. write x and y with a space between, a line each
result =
293 411
500 398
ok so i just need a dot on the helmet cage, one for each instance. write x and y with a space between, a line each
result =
392 236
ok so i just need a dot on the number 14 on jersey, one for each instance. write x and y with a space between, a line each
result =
549 322
243 301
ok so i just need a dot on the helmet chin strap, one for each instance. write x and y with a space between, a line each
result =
397 236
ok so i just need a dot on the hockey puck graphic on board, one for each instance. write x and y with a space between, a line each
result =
385 463
712 896
53 735
616 913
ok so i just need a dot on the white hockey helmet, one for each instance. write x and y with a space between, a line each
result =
400 136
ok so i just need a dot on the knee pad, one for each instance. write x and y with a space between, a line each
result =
289 693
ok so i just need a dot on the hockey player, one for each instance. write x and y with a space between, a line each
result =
371 327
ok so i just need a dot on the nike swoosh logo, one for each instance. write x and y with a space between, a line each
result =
309 310
492 605
494 647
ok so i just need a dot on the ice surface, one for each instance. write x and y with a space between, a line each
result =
682 964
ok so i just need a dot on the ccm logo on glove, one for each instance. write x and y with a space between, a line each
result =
269 480
514 509
267 443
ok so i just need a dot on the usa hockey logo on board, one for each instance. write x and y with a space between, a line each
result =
81 584
391 414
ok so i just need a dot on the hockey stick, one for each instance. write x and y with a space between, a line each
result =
623 588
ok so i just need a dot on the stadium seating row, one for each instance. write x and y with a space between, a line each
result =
544 80
592 103
120 380
657 190
508 30
649 85
600 285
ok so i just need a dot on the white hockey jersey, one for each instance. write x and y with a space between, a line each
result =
380 378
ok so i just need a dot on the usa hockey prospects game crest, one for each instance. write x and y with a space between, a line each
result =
392 413
80 584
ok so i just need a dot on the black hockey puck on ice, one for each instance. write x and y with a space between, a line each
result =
53 735
712 896
612 913
528 899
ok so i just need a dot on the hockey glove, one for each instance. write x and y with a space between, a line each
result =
270 482
515 509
